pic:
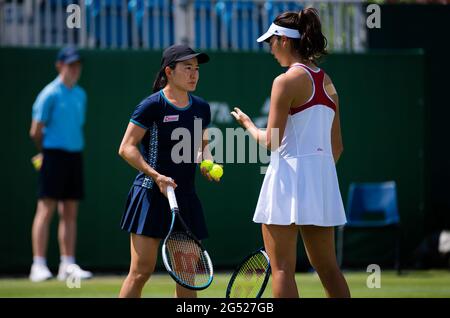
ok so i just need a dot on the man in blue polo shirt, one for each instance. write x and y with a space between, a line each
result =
57 129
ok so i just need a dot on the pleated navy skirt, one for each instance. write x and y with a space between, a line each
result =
147 212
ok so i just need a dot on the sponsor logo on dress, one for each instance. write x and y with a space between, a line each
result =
170 118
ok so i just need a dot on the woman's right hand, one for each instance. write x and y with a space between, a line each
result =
241 117
163 182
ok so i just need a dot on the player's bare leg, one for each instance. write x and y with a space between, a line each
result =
40 230
280 242
144 252
319 245
67 229
181 292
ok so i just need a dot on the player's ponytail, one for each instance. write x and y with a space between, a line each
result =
312 44
161 79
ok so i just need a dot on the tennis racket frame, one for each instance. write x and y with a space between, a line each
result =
176 214
267 273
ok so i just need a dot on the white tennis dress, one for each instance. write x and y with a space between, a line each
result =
301 184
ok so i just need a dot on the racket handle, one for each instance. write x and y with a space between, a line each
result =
171 196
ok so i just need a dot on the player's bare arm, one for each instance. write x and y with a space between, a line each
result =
129 151
336 136
36 133
280 101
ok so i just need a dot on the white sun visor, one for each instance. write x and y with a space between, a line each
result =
279 30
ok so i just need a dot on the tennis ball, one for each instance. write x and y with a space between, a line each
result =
207 164
216 172
37 163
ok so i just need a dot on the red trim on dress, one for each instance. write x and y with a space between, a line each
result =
320 96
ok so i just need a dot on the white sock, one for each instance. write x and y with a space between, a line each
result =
65 259
39 260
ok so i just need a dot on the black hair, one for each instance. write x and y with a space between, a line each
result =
161 78
312 44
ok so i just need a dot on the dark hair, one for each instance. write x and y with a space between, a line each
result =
312 44
161 78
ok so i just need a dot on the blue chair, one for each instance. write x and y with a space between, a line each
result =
371 205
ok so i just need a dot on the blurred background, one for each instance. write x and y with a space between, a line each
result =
391 80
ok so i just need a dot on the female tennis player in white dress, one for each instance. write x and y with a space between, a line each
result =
300 191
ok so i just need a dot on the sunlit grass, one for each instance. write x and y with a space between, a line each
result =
411 284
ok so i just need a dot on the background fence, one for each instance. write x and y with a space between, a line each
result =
207 24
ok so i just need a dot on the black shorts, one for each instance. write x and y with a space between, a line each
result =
147 212
61 175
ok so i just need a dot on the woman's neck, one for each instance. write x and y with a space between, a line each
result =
176 96
308 63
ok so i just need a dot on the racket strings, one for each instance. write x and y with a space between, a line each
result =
187 260
250 277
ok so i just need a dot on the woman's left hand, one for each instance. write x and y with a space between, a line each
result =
206 174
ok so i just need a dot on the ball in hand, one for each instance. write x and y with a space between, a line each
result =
216 172
37 163
207 164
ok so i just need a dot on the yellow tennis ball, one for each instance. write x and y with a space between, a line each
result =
37 163
216 172
207 164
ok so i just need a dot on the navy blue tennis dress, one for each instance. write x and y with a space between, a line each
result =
147 210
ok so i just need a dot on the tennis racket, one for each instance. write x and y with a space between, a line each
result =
249 279
184 257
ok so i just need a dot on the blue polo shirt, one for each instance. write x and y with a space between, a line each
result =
62 110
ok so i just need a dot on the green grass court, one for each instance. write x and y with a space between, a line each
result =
421 284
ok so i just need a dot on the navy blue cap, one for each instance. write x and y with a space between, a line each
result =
68 55
181 52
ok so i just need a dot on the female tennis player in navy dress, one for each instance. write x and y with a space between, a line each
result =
162 162
300 192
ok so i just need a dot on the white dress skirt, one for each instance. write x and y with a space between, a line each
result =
303 190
